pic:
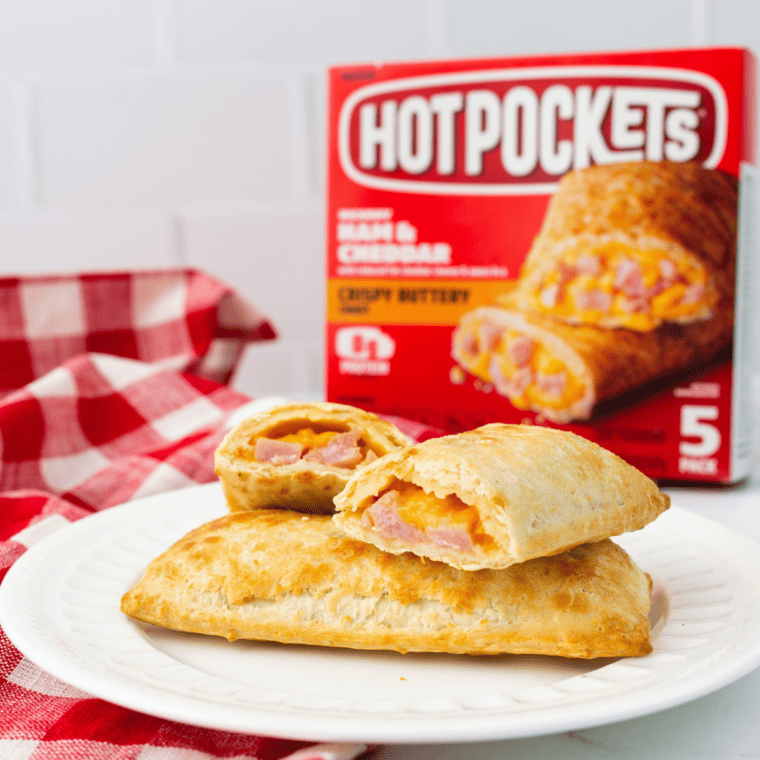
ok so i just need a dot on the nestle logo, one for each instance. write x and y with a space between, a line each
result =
516 131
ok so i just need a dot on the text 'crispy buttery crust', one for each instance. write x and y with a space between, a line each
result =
287 577
305 486
538 491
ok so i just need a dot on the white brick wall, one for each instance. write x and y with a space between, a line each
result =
9 148
298 32
191 132
64 241
165 139
43 34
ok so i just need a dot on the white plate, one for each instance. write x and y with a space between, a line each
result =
59 604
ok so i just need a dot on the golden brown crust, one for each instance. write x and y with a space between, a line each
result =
610 362
682 208
538 491
281 576
304 486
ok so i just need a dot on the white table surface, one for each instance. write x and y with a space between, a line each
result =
724 725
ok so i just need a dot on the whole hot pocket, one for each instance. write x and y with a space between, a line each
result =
283 576
495 496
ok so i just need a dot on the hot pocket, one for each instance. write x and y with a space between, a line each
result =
562 371
280 576
496 496
634 245
299 455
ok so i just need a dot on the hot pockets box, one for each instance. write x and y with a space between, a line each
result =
559 241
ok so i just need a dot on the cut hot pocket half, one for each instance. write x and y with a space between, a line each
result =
564 371
281 576
495 496
634 245
299 455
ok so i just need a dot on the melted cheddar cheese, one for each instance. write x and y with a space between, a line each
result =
426 511
309 438
495 366
565 291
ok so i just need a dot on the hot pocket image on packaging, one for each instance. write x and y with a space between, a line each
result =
631 278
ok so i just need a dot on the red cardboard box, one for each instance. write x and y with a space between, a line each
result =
555 240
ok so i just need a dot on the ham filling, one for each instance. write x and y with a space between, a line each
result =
415 517
521 368
277 452
330 448
640 288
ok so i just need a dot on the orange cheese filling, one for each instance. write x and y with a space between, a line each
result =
530 375
429 513
425 510
640 288
308 437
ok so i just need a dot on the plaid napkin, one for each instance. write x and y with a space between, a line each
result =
179 319
87 431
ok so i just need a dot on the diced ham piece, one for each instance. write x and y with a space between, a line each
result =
589 264
549 296
277 452
630 279
566 272
341 450
489 336
451 538
668 270
693 293
519 383
471 345
552 385
521 350
593 299
383 517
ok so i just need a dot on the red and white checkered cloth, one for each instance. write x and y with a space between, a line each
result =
180 319
88 431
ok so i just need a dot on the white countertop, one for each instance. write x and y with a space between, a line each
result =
724 725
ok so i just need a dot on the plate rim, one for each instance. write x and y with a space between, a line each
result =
319 726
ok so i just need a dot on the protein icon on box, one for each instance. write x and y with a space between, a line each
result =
364 350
